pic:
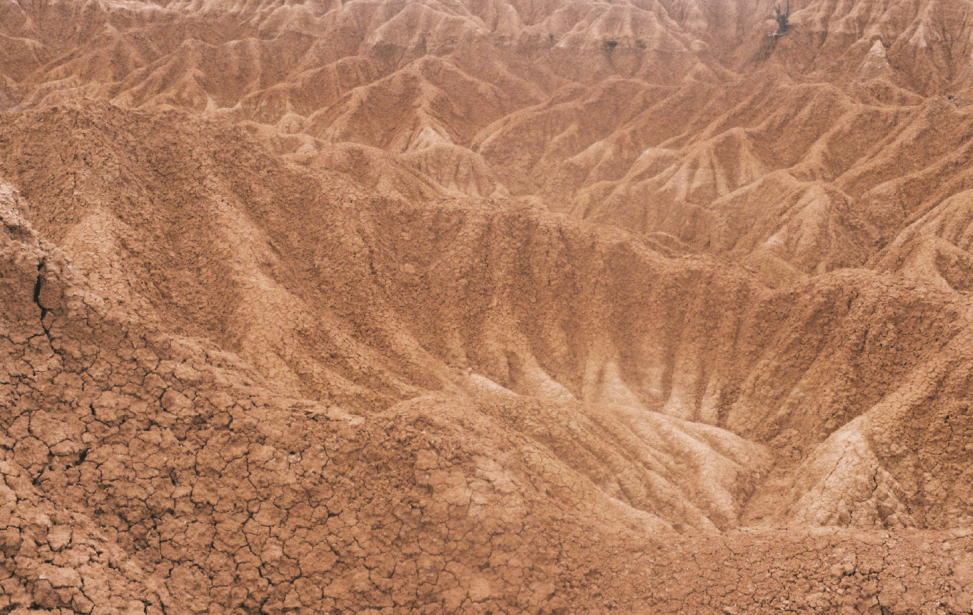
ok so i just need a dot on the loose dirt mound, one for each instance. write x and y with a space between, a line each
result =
303 308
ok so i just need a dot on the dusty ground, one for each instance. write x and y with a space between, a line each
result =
487 307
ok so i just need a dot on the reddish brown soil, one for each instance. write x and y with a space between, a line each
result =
486 307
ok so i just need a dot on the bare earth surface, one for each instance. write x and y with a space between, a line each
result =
486 306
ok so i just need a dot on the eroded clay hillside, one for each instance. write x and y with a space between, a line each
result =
485 307
797 154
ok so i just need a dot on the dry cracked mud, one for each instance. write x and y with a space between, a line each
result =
385 306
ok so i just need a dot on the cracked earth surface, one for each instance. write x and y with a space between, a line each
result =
486 306
148 472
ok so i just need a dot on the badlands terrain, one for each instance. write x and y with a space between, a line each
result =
486 306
